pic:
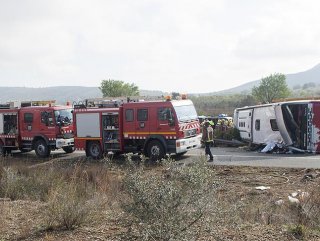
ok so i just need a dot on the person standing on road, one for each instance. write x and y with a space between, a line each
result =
207 138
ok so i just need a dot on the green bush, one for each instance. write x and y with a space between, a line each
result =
168 206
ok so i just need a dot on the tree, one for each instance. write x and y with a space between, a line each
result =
114 88
309 85
271 87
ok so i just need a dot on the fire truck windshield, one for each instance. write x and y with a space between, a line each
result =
186 113
63 117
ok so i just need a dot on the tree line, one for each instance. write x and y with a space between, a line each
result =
270 88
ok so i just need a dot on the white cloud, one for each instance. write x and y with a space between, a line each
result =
187 46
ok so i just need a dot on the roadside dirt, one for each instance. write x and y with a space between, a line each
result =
254 201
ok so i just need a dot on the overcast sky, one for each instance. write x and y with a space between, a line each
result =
169 45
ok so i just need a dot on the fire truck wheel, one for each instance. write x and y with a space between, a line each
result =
41 148
155 150
94 150
68 149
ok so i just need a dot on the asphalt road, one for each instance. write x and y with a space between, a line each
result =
222 156
241 157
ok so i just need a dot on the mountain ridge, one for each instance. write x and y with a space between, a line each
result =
294 79
62 94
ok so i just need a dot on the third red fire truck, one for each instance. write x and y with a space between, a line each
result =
154 128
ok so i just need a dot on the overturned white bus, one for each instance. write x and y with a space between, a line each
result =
296 123
257 124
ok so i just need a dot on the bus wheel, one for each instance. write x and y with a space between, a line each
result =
68 149
155 150
94 150
41 148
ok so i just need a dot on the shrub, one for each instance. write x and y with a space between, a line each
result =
310 207
33 185
298 231
167 206
71 194
68 206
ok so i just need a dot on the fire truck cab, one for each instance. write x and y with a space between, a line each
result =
154 128
40 128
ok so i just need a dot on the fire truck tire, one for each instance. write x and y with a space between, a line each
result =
41 148
94 150
155 150
68 149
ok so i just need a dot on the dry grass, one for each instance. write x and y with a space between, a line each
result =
246 206
87 199
67 207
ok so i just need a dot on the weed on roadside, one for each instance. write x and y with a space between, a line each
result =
168 205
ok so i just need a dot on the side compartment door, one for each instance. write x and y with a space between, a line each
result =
111 137
8 123
88 125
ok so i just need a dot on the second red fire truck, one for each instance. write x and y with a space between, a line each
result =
154 128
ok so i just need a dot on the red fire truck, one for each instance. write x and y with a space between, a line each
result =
36 125
154 128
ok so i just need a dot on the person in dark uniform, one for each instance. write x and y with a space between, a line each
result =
207 138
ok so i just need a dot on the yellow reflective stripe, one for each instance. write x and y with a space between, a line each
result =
88 138
149 133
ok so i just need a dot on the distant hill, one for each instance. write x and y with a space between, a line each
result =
61 94
298 79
